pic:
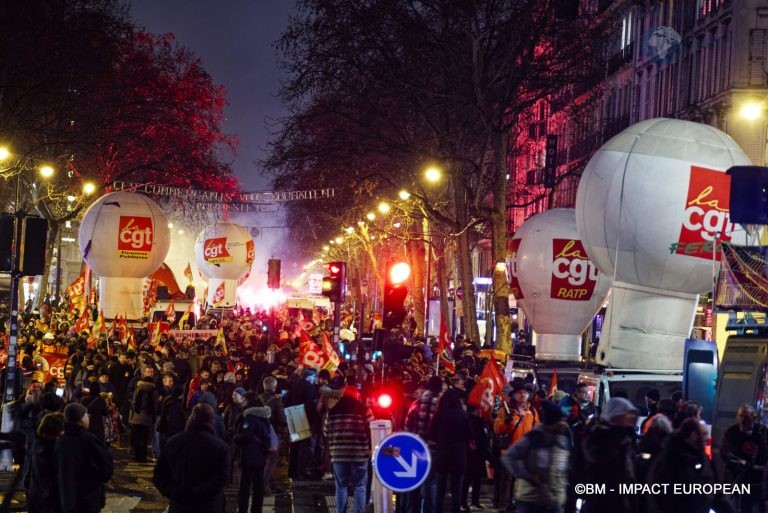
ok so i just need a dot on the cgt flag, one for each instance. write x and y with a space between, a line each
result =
331 356
218 295
83 323
487 388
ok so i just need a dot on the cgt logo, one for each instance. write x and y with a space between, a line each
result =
215 250
513 248
706 219
135 234
250 252
574 276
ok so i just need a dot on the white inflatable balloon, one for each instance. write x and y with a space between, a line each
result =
224 253
651 207
555 283
124 238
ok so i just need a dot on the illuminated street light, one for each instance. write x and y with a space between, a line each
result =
361 223
404 195
326 248
501 267
170 225
349 230
71 198
46 171
89 188
433 174
751 111
370 216
4 153
339 240
396 224
384 208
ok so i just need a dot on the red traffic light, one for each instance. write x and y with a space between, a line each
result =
399 272
334 269
384 401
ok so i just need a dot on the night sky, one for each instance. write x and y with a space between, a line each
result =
234 40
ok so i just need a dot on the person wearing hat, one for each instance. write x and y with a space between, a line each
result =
539 462
42 480
516 418
83 464
193 468
607 455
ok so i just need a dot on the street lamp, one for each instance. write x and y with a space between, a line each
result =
384 207
751 110
404 195
89 188
433 174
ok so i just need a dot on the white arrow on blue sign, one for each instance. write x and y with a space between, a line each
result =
402 461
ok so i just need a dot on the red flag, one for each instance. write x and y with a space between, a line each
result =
310 354
76 292
188 272
122 328
487 388
218 295
170 313
448 364
131 342
443 342
83 323
332 358
553 384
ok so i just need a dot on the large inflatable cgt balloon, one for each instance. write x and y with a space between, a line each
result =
555 283
224 253
124 238
651 208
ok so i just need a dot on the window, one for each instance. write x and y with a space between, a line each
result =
725 59
627 25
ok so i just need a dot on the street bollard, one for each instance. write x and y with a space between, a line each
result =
6 423
382 497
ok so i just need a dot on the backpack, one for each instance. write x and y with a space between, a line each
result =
274 441
145 401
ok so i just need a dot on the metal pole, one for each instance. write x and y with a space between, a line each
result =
382 497
58 267
428 291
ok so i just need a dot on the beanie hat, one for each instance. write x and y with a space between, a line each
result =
550 412
653 394
229 377
240 391
616 407
74 413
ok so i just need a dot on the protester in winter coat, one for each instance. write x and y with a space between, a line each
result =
42 483
83 464
744 450
539 462
97 411
607 456
171 419
193 468
516 418
682 461
143 418
224 391
255 442
209 398
451 430
347 430
476 458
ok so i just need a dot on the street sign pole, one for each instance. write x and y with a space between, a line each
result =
382 497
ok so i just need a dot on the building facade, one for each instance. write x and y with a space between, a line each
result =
700 60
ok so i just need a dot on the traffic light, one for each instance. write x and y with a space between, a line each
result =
335 285
384 401
273 273
395 293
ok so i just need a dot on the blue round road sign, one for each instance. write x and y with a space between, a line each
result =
402 461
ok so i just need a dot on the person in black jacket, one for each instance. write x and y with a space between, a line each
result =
193 468
170 412
42 480
682 461
83 464
254 440
452 432
476 459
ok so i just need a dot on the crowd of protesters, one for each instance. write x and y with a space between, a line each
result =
226 396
